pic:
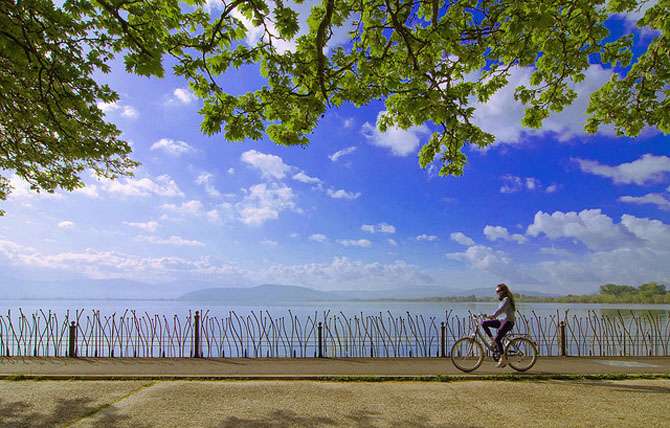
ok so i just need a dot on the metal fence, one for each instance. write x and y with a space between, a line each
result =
327 334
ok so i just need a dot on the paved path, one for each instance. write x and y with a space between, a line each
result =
307 368
311 404
286 393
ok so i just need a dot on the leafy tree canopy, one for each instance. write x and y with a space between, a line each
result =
428 60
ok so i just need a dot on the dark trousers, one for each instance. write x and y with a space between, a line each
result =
502 328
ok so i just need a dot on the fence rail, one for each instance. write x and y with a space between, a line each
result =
327 334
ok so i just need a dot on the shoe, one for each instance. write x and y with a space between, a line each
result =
492 343
502 362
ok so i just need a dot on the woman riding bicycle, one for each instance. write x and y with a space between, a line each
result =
503 325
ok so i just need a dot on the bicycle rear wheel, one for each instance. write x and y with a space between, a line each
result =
521 354
467 354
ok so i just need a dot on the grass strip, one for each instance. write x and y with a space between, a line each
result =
106 405
436 378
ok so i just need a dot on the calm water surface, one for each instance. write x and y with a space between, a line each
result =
304 309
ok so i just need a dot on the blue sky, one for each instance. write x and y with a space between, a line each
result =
552 210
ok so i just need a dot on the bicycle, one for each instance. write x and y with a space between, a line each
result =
467 353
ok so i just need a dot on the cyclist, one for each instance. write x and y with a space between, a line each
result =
504 324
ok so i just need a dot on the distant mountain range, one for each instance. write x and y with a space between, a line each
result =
269 293
202 291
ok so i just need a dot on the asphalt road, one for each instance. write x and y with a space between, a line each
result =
313 404
254 393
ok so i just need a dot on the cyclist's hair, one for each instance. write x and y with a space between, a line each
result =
505 289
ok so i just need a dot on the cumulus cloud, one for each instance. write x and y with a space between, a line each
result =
184 95
647 169
363 243
343 273
498 232
340 153
205 179
501 115
149 226
514 184
172 240
304 178
172 147
382 227
192 207
126 111
164 185
426 237
498 263
264 203
66 224
401 142
461 238
270 166
319 237
593 228
343 194
657 199
21 190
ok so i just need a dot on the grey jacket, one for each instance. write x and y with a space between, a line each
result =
505 309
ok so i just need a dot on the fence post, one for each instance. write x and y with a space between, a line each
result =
320 331
196 336
443 341
561 340
72 340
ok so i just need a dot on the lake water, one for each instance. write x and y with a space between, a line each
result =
439 310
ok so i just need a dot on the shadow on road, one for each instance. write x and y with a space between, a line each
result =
360 419
20 414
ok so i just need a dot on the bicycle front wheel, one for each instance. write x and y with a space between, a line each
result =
467 354
521 354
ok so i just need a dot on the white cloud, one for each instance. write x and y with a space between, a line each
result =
172 147
514 184
304 178
205 179
110 264
66 224
461 239
21 190
343 273
593 228
338 154
173 240
269 243
498 232
380 228
363 243
392 242
318 237
127 111
265 203
650 198
184 95
163 186
425 237
495 262
501 115
192 207
647 169
401 142
343 194
270 166
149 226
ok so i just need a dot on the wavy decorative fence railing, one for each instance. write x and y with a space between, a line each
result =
259 334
